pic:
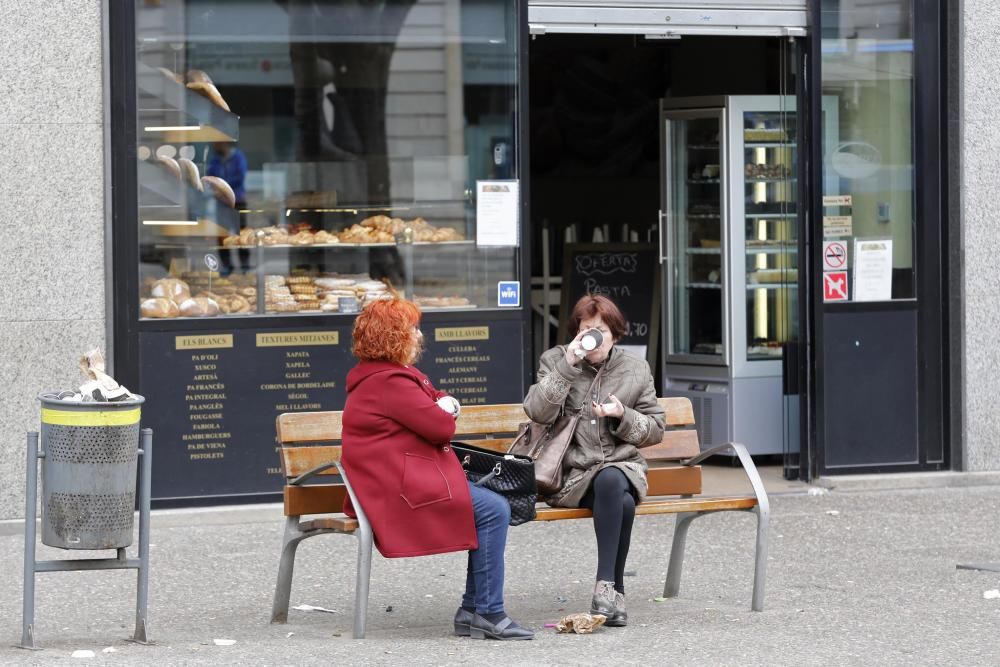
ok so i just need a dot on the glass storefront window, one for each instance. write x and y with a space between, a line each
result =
867 65
308 156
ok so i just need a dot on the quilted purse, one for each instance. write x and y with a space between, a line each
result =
512 476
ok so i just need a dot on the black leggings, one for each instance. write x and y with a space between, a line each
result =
610 499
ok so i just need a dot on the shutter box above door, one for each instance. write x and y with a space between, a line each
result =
668 19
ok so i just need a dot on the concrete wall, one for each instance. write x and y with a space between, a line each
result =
51 212
980 109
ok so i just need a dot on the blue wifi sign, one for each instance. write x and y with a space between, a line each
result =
509 293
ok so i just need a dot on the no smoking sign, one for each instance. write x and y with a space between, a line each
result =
834 255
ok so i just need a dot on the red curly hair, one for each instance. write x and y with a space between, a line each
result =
383 331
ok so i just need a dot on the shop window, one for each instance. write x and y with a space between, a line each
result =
302 157
868 204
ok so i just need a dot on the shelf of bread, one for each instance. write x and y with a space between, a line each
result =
374 231
207 294
183 108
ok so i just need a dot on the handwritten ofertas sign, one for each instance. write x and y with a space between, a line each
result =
497 204
872 269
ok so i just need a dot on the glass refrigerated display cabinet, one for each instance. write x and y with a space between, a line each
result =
729 234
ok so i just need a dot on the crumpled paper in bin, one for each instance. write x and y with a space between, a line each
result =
581 624
100 386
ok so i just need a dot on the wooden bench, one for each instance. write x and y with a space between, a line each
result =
674 480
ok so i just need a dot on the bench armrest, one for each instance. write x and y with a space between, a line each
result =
748 467
312 473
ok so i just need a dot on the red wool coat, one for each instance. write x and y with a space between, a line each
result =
397 454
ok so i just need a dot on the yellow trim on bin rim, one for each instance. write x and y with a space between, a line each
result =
90 417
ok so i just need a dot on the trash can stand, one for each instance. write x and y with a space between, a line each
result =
121 562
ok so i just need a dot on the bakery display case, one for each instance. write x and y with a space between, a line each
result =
729 232
295 191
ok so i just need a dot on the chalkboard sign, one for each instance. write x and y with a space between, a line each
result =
626 273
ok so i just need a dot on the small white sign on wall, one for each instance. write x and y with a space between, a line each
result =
497 213
872 269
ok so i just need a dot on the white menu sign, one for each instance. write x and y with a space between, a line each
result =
872 269
497 208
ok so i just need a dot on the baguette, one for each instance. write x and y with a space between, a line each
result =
222 191
198 76
171 165
211 92
190 172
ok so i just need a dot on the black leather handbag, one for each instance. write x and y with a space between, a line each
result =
510 475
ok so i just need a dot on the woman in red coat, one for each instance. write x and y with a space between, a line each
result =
396 452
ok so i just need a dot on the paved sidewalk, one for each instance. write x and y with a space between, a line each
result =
854 578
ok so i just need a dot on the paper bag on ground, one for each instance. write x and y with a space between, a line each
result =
581 624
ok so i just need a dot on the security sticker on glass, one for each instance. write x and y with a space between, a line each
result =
509 293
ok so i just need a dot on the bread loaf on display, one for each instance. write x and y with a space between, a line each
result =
158 307
199 306
171 288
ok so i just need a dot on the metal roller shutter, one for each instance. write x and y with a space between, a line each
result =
669 18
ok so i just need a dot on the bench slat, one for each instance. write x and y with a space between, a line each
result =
342 524
676 445
679 411
297 460
296 427
490 419
650 507
674 480
314 499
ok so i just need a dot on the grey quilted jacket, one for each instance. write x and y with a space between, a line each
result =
598 442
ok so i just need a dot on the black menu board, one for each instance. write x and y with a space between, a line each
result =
626 273
212 398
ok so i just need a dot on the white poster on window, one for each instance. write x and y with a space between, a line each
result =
497 213
872 269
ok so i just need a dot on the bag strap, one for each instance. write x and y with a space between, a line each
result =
592 385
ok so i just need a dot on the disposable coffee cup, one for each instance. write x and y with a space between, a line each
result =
591 340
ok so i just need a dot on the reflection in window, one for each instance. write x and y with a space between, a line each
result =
320 153
868 66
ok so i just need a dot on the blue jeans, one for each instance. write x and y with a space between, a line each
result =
484 579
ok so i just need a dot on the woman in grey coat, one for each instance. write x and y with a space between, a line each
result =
603 470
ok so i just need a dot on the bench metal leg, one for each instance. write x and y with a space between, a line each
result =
673 584
760 563
364 534
283 589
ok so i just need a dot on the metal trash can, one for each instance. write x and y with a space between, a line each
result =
88 472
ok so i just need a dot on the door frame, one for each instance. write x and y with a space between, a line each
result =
932 238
